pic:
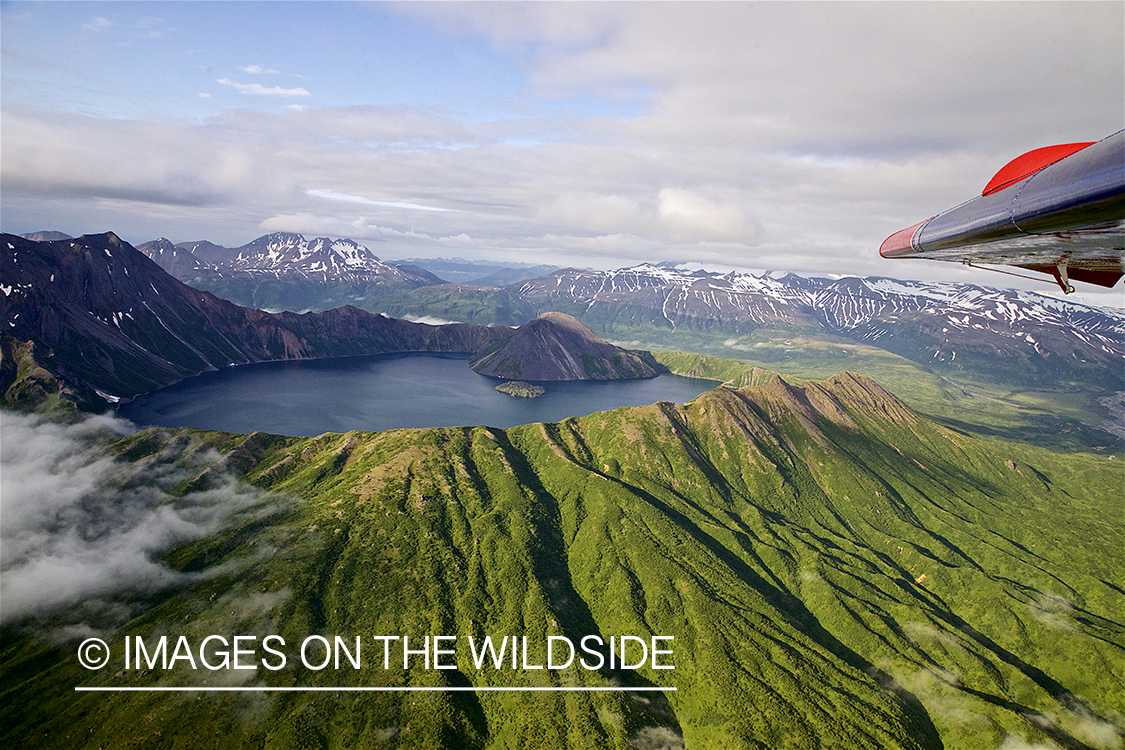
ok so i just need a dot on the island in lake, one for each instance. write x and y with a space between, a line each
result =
556 347
521 389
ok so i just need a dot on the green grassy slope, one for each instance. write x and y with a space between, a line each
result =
780 533
1064 417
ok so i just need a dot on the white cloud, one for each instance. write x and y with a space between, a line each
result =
322 226
204 95
97 23
47 153
657 738
258 70
694 217
1052 610
1012 742
594 211
257 88
345 198
1098 732
812 75
80 527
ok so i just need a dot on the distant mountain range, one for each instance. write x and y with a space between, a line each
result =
1009 336
105 318
480 272
992 334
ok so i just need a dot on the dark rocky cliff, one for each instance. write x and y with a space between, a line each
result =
113 321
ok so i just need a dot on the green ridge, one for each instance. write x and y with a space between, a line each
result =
778 531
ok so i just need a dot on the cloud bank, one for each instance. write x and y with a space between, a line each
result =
787 136
79 528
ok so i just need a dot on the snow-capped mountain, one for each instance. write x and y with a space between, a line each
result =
870 307
679 299
287 255
320 259
959 326
287 271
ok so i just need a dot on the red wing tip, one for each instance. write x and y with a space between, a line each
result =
1025 165
900 243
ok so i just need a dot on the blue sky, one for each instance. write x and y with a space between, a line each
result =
758 136
140 59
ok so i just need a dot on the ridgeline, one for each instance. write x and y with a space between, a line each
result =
836 570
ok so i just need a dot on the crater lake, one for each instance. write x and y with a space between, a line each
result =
304 398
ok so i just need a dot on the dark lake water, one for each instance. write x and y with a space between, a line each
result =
384 392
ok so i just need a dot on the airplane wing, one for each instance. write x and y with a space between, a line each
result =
1058 210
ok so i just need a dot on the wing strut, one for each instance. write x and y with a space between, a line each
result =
1059 272
970 264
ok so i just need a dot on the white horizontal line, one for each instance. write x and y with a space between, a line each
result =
371 689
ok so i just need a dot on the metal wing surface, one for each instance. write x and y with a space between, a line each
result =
1058 210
